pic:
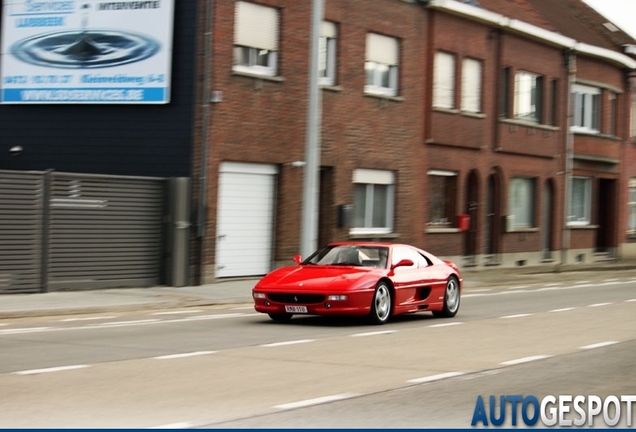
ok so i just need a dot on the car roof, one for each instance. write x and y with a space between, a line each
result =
368 243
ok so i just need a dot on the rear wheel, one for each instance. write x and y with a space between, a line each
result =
451 299
280 317
381 305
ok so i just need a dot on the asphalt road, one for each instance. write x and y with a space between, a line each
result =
231 367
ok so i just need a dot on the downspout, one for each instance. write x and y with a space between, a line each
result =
570 63
205 103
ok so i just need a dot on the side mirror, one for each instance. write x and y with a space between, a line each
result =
403 263
298 259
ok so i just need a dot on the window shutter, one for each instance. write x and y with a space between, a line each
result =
382 49
256 26
444 80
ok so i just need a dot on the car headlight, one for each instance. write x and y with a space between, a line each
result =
259 295
337 298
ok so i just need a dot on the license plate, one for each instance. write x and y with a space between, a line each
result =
296 309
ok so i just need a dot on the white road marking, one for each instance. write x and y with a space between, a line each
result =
553 284
565 309
630 300
518 287
524 360
545 288
182 355
521 315
445 324
120 324
294 342
51 369
89 318
610 280
373 333
25 330
437 377
182 425
480 290
125 323
598 345
244 308
3 324
177 312
599 304
317 401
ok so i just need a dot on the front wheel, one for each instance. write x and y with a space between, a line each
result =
451 299
280 317
381 305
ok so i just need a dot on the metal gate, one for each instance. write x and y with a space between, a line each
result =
61 231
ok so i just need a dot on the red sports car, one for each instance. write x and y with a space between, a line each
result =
378 280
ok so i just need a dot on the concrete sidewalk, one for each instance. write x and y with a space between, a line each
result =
238 291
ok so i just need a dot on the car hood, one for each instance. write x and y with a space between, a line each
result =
311 277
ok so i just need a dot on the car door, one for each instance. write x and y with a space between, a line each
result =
406 279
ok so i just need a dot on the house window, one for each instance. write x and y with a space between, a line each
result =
554 102
373 201
613 108
327 54
587 109
528 101
521 202
504 98
631 207
442 186
471 85
580 201
381 66
255 39
444 81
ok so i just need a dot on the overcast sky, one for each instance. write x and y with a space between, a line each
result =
620 12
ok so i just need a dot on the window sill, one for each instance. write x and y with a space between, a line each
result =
446 110
582 227
523 230
384 97
333 88
528 124
373 236
259 76
595 134
440 230
475 115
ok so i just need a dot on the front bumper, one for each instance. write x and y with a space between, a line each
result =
358 303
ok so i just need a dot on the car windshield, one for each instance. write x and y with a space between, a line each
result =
366 256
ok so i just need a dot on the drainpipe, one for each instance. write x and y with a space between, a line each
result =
205 104
570 63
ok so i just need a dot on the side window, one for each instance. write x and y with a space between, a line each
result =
400 253
327 56
255 39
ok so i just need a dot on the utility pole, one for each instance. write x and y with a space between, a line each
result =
309 223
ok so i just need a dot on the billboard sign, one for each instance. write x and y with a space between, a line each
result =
86 51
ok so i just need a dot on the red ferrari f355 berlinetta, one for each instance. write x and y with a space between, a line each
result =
378 280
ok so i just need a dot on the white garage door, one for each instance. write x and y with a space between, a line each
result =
245 219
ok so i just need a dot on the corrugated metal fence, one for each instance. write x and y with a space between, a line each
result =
76 231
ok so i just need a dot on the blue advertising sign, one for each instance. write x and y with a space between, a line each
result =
86 51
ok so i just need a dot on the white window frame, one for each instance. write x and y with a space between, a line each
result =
631 206
327 53
444 80
372 178
580 201
528 98
587 103
381 65
255 39
521 201
471 85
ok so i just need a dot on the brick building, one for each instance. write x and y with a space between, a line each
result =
444 124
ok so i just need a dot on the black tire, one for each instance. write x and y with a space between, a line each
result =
451 299
280 317
381 304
